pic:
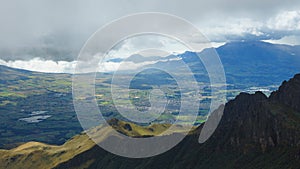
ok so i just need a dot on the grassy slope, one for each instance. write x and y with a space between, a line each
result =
80 152
38 155
22 92
43 156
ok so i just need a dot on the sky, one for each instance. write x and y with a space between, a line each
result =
47 35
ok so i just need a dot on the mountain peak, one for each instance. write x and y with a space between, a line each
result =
288 93
258 95
254 122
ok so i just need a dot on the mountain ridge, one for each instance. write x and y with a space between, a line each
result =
256 131
252 62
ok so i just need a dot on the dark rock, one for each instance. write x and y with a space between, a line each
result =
127 127
288 93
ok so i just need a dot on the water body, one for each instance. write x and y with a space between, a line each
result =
36 117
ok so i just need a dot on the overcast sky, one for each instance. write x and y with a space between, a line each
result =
55 30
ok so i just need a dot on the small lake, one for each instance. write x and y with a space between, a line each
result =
36 117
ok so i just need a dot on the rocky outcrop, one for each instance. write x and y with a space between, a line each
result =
254 122
288 93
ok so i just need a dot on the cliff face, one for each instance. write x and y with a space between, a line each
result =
256 123
288 93
255 132
247 122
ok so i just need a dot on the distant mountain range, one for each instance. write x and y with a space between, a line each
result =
259 62
256 131
249 62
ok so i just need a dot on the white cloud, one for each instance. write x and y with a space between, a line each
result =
48 66
138 44
113 66
223 31
39 65
288 40
126 65
286 21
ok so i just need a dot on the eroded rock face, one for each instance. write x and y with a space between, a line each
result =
248 124
254 121
288 93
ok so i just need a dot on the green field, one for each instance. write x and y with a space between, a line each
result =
23 92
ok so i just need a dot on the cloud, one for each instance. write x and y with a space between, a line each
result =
121 66
234 29
285 21
128 65
48 66
40 65
289 40
56 30
144 44
57 52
